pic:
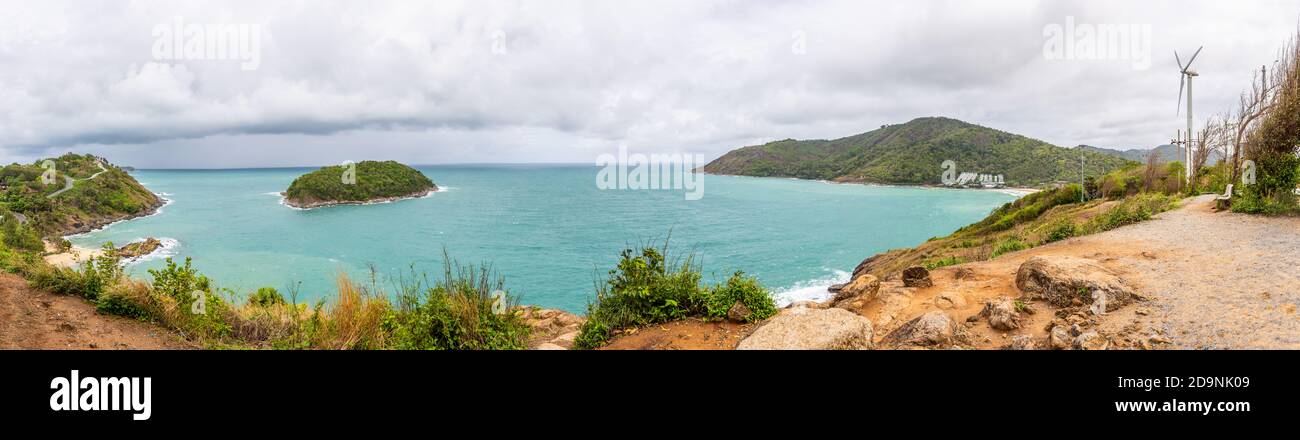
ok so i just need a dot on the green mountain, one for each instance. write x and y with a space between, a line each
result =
80 193
370 181
912 154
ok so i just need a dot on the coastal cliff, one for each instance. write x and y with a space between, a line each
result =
72 194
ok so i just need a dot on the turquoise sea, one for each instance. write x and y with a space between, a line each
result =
547 228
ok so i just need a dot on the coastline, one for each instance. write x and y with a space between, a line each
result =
284 200
1018 191
100 224
76 255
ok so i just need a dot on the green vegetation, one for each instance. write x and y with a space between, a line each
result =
911 153
647 289
1008 245
458 313
1132 210
1037 219
950 260
110 196
266 297
372 181
1272 193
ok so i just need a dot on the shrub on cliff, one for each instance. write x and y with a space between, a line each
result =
469 309
19 236
647 289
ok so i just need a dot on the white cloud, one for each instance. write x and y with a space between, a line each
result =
420 81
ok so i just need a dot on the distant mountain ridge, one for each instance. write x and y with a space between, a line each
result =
1167 153
912 153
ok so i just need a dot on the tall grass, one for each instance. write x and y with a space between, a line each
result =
467 309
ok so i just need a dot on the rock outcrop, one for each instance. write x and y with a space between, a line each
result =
139 249
858 292
1063 280
552 329
931 329
1002 314
917 276
739 312
800 328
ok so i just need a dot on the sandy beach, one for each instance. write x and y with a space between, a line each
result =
73 257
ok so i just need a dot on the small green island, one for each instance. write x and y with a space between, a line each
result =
372 182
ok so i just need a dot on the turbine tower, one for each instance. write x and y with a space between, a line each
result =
1185 75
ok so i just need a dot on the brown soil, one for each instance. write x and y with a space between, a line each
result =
32 319
689 334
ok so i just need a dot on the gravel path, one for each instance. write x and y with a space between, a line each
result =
1218 279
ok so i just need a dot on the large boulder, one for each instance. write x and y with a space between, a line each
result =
933 328
917 276
864 288
811 329
1062 280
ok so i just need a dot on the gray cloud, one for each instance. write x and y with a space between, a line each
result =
421 81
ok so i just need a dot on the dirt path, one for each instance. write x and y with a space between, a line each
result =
32 319
1213 279
1219 280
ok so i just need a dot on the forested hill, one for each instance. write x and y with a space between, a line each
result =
85 192
912 153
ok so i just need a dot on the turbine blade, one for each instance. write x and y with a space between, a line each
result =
1198 52
1181 79
1180 62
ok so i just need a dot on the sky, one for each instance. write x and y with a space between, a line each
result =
427 82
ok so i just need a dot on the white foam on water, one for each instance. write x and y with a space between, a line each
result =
811 290
166 250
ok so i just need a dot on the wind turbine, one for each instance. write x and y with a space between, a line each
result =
1186 74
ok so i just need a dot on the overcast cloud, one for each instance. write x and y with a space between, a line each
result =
421 81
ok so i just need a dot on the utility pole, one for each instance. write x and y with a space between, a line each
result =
1083 186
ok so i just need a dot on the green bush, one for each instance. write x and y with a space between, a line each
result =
944 262
1272 193
265 297
463 311
1062 230
20 236
646 289
112 304
742 289
1008 245
186 285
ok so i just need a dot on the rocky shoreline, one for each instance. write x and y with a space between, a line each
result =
327 203
95 224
